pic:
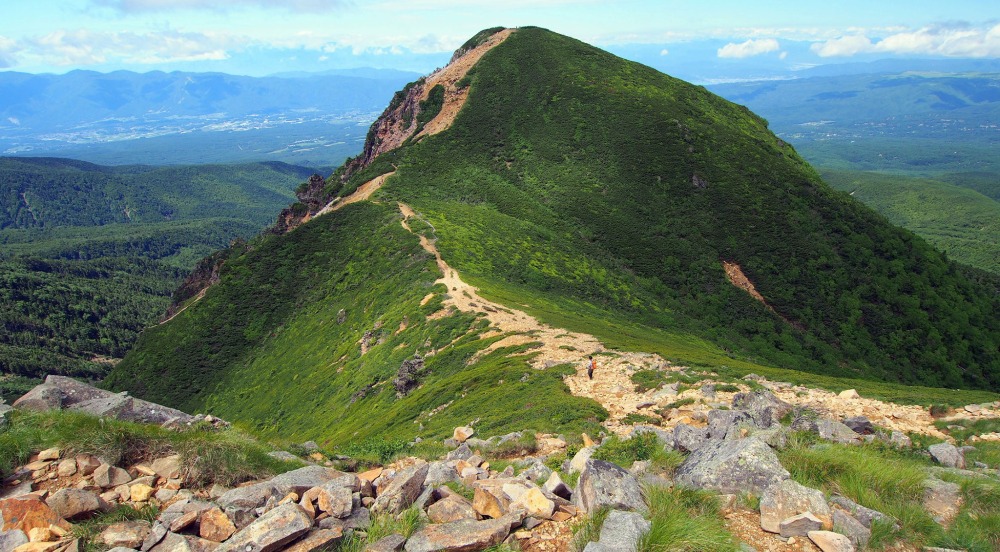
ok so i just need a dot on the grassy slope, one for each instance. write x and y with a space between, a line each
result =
520 199
573 199
959 221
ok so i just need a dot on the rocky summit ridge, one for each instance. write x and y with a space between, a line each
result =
545 491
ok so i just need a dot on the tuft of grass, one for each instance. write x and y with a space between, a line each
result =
727 388
588 529
375 450
677 404
626 451
645 380
461 489
634 418
685 520
526 444
226 457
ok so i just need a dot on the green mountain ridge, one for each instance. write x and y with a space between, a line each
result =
599 195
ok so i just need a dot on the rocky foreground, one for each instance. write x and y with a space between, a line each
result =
463 503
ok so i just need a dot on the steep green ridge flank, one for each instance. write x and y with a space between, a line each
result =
264 346
962 222
575 173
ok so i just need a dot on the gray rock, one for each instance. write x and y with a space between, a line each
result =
283 455
107 476
948 455
860 425
775 436
21 489
406 486
70 503
900 440
10 540
536 473
580 459
865 515
247 498
555 485
156 534
732 467
621 532
439 473
271 531
708 391
828 541
763 406
301 480
832 430
942 499
689 438
727 424
129 534
459 535
788 498
605 484
800 525
451 508
42 397
388 543
850 527
463 452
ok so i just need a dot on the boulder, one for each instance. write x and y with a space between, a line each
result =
536 472
948 455
86 464
439 473
828 541
9 540
406 486
860 425
42 397
451 508
317 539
70 503
271 531
107 476
620 532
215 525
140 492
727 424
334 499
168 467
461 434
663 436
247 498
128 534
787 499
942 499
388 543
799 525
463 452
763 406
900 440
859 512
580 459
536 504
832 430
606 484
459 536
849 394
732 466
301 480
66 468
28 512
847 525
689 438
489 500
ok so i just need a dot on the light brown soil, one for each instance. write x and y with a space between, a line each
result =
740 280
363 192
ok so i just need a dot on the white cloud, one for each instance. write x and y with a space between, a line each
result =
8 51
65 48
783 55
664 52
752 47
954 40
135 6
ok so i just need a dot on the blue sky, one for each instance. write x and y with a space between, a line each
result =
259 37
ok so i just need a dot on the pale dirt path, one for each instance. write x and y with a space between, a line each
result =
184 308
612 386
363 192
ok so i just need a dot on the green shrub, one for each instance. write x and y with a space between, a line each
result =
634 418
624 452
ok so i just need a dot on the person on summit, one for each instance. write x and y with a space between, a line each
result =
590 367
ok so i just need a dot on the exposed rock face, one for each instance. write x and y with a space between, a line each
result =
605 484
732 466
942 499
851 528
689 438
408 376
865 515
763 406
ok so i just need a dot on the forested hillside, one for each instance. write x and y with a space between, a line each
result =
92 254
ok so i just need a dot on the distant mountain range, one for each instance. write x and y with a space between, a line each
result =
125 117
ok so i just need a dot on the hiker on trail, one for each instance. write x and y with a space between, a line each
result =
590 368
